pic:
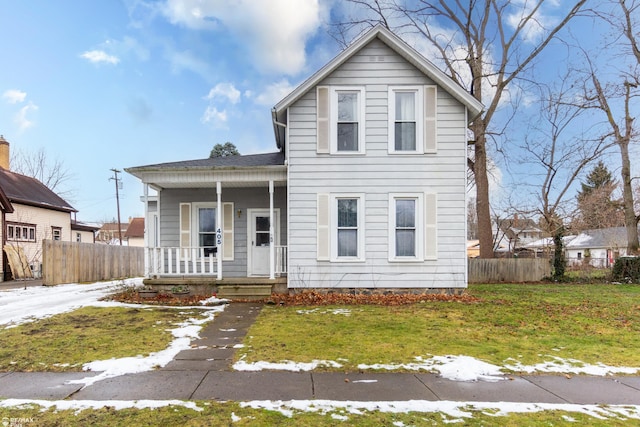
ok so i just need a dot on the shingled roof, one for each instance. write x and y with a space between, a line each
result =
25 190
136 228
239 161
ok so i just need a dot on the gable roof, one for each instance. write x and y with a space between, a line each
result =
239 161
26 190
614 237
136 228
411 55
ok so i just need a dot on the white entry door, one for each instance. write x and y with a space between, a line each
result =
258 242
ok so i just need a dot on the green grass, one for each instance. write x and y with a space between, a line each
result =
227 414
66 341
530 323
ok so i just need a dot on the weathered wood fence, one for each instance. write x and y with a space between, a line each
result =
71 262
514 270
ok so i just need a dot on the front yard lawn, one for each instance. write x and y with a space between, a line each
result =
529 323
66 341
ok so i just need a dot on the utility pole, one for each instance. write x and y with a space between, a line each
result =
118 181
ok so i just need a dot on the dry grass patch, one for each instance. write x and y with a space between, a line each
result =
66 341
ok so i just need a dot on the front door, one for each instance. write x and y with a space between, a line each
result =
259 241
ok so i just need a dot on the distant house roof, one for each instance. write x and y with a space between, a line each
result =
614 237
230 162
25 190
136 228
82 226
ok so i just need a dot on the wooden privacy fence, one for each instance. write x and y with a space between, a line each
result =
513 270
71 262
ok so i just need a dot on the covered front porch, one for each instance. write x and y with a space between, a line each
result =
216 222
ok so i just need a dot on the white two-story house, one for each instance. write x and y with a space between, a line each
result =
367 188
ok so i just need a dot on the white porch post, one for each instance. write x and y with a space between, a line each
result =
272 249
219 241
146 230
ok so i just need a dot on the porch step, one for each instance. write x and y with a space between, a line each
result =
248 292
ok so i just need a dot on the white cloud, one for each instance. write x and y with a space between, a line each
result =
14 96
21 118
225 90
185 60
274 93
536 26
217 119
275 33
99 56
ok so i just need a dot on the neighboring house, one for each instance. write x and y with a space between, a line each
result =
513 235
83 232
111 232
31 213
473 248
135 232
598 248
544 248
367 189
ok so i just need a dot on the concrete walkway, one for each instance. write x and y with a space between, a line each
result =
204 372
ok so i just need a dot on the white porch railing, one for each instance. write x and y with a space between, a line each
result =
281 260
185 261
196 261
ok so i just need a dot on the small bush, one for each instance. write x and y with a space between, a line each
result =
627 269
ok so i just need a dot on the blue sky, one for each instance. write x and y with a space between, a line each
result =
112 84
107 84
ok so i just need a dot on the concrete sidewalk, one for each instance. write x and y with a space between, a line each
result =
204 372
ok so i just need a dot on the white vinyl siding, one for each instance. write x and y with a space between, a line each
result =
315 178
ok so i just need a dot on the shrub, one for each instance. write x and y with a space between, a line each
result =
627 269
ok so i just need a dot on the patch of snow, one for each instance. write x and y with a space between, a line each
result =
285 365
455 368
228 330
235 418
365 381
570 366
80 405
18 306
184 333
342 311
339 417
214 301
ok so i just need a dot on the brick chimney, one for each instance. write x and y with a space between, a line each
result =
4 153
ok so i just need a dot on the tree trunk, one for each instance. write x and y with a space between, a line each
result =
627 196
485 234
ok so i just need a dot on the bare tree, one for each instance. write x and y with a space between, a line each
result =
616 97
37 164
499 41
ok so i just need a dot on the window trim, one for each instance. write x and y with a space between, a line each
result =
333 119
31 230
419 226
53 233
419 118
334 197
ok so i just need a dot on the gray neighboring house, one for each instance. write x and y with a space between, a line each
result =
599 247
367 188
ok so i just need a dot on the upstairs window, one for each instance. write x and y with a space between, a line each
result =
340 120
412 119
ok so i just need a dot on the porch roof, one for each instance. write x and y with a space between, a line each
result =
233 171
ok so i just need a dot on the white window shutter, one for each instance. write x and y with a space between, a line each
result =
430 123
185 228
227 232
322 112
431 226
323 230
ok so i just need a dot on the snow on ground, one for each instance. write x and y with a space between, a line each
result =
183 334
452 412
25 305
455 368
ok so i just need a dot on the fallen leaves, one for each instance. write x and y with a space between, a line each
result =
336 298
